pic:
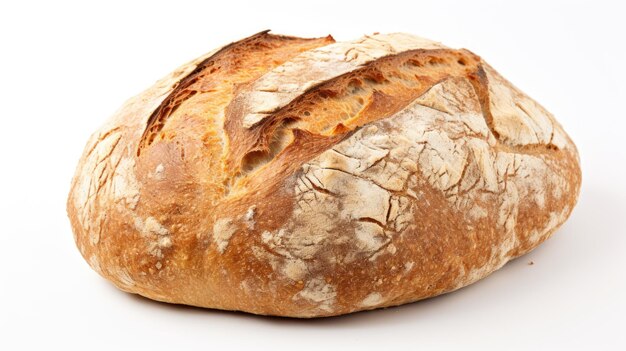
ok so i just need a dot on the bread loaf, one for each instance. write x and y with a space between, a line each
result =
307 177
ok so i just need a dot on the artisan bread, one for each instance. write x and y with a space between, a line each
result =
307 177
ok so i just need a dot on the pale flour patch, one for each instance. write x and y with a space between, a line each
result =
248 217
159 172
476 212
96 228
157 235
456 96
151 225
223 230
320 293
125 185
295 269
288 262
264 256
408 266
370 236
372 300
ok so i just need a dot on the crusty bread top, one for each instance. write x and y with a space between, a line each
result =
283 167
322 92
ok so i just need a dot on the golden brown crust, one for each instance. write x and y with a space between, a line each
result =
310 178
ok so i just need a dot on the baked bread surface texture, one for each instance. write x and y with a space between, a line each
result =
307 177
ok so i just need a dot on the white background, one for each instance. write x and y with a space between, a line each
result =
65 67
